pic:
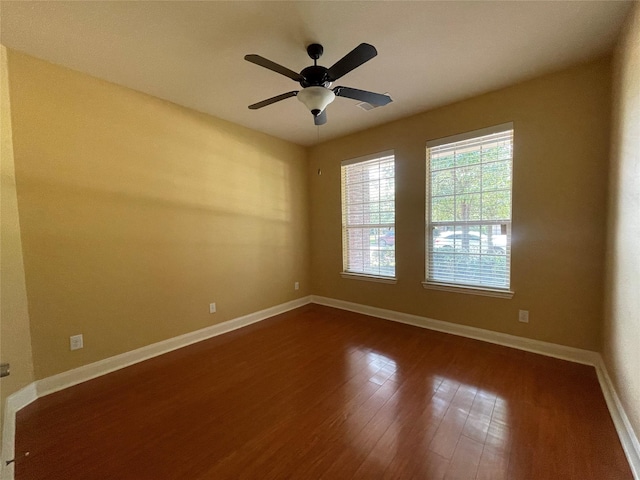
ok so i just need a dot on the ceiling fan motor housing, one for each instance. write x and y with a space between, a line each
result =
315 76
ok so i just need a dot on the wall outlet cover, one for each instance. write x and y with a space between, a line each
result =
523 316
76 342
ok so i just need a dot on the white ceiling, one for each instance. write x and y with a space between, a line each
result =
429 53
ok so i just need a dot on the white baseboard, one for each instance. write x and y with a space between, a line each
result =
628 437
625 431
46 386
536 346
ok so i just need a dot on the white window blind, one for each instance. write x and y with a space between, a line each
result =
368 215
469 209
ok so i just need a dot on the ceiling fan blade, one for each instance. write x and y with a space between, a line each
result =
356 57
263 62
271 100
377 99
321 119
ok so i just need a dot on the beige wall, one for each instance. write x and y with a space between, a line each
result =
137 213
15 341
621 346
561 146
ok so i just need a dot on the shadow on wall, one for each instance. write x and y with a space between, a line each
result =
137 213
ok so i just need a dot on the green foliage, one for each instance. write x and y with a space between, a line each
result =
471 186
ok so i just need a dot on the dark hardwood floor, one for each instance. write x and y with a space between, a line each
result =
323 393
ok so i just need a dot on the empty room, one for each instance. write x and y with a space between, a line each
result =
320 240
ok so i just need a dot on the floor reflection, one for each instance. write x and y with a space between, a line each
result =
448 424
382 367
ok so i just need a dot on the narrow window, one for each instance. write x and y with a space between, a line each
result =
468 237
368 216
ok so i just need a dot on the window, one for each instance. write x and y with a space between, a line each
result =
368 217
469 211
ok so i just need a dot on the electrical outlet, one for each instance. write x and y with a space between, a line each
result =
523 316
76 342
212 308
4 370
296 286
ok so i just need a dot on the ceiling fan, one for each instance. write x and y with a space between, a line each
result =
316 81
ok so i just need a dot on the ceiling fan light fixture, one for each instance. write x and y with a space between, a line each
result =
316 99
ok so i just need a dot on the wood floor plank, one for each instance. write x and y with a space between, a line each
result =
324 393
465 461
448 433
494 464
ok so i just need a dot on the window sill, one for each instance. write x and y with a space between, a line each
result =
486 292
368 278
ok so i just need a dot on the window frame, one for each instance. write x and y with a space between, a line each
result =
345 273
430 283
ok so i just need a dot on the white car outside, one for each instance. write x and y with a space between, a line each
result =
474 242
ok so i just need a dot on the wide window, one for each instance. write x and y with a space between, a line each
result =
368 217
469 211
